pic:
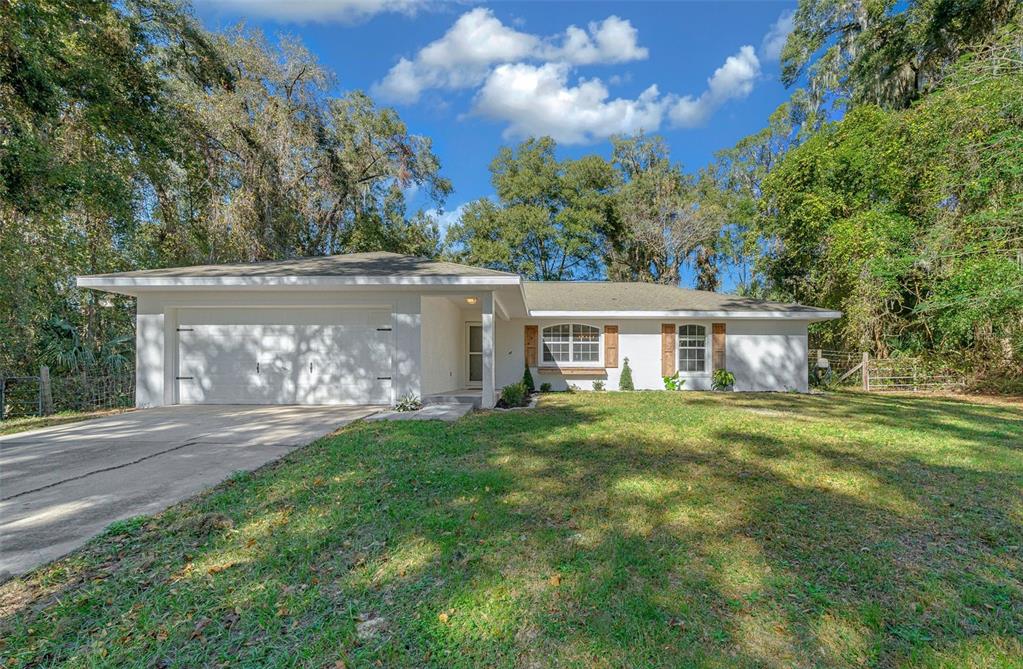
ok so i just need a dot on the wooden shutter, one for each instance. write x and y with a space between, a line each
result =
531 341
668 349
610 345
718 344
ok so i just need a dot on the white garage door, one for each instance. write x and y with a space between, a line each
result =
284 356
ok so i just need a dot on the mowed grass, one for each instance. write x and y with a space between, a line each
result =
600 530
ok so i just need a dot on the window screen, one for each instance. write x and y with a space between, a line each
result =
571 343
692 348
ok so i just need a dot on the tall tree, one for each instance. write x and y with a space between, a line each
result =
283 168
549 219
739 173
132 138
666 216
909 221
885 52
86 115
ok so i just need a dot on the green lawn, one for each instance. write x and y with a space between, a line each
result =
15 425
600 530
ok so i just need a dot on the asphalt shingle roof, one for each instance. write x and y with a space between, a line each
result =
634 296
539 295
352 264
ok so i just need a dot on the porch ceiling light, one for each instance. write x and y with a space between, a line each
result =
470 300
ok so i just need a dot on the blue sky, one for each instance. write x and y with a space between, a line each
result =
476 76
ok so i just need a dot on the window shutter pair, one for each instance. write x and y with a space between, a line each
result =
668 347
532 340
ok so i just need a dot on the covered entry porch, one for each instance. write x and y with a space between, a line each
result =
458 348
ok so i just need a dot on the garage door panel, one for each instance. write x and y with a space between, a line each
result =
285 356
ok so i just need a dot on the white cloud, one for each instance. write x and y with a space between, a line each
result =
613 40
527 81
446 218
537 100
460 59
464 56
732 81
774 40
305 11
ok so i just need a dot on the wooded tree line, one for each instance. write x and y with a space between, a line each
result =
133 138
889 186
635 217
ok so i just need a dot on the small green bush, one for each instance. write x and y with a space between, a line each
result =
598 385
625 380
527 380
408 402
545 387
722 379
673 382
514 395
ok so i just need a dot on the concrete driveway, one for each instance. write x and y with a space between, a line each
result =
62 485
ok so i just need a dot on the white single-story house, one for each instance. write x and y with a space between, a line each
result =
367 328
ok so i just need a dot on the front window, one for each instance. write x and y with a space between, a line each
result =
571 343
692 348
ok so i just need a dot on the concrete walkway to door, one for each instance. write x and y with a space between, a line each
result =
62 485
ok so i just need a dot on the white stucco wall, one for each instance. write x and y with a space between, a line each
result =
156 337
150 353
429 339
443 332
768 354
763 354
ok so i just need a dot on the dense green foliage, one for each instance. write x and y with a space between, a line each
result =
882 51
911 221
549 219
637 216
132 138
514 395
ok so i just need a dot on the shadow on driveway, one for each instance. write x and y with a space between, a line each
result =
60 486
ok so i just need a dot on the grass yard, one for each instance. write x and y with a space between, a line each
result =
600 530
15 425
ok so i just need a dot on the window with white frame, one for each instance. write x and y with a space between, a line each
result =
571 343
692 348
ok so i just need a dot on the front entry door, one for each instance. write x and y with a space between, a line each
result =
474 340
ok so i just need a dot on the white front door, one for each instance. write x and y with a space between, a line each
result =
284 356
474 348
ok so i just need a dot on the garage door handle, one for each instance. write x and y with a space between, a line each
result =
383 378
184 378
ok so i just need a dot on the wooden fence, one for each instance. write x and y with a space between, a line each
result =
887 374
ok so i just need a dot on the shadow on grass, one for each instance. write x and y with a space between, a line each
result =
600 530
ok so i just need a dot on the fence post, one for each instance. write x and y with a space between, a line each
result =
3 399
45 391
866 371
